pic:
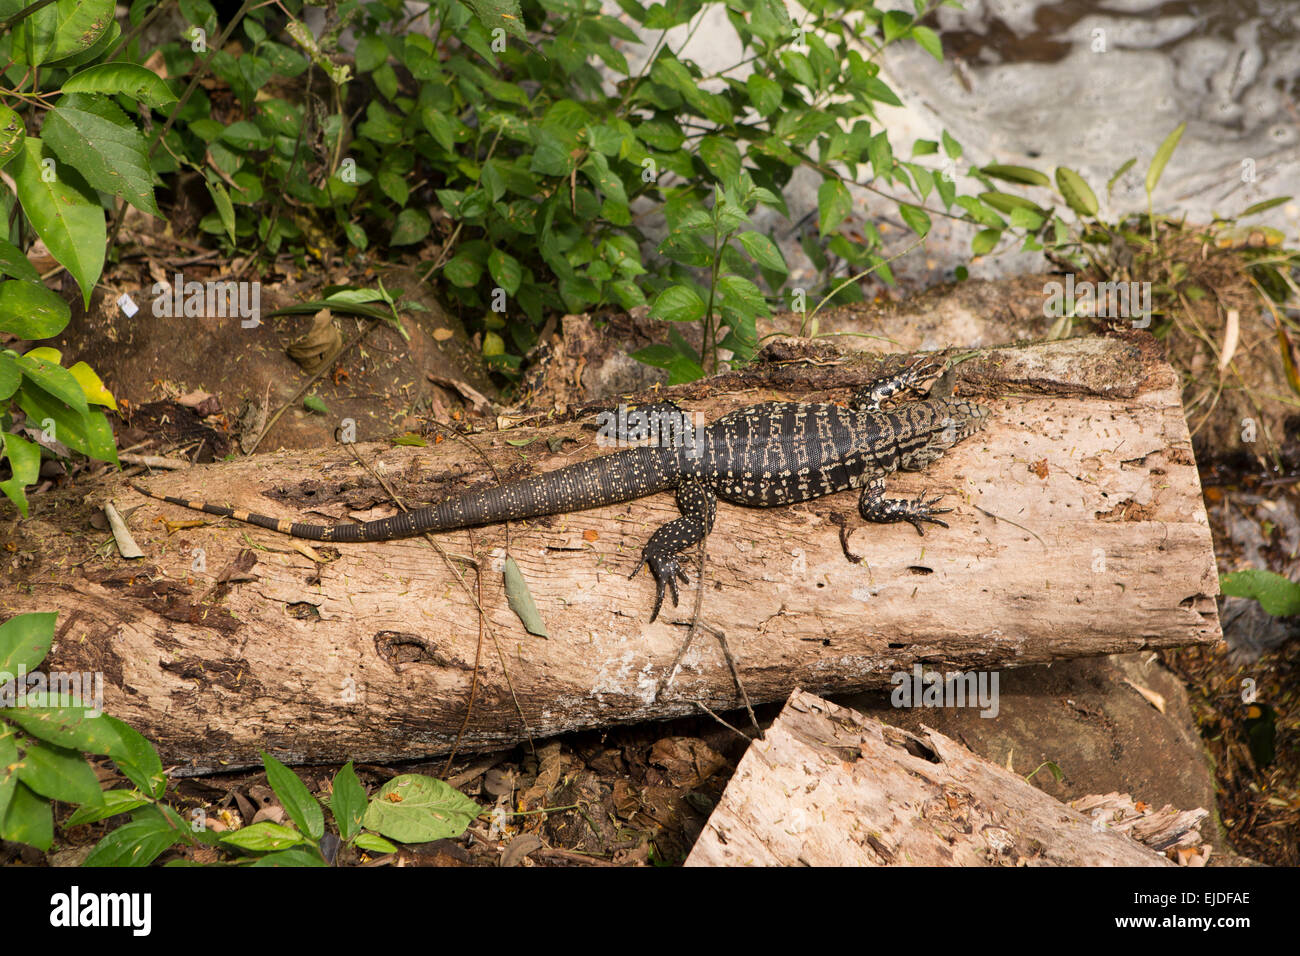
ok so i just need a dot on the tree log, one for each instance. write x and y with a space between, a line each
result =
1078 529
829 787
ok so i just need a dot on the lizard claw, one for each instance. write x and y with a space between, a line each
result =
923 510
666 571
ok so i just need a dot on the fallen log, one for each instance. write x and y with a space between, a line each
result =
830 787
1078 529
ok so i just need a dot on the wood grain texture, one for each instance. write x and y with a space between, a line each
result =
829 787
1078 529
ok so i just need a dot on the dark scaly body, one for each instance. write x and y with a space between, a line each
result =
766 455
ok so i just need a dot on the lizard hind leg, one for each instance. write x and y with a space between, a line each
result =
698 506
874 506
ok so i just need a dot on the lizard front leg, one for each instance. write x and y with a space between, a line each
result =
698 505
874 506
869 396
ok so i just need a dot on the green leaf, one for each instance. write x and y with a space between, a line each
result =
763 251
25 465
374 843
115 802
928 40
678 303
742 295
412 226
1006 202
93 135
296 856
1249 211
12 134
31 311
916 218
59 774
61 30
137 843
764 93
265 836
1277 595
225 209
54 378
25 640
348 803
1161 158
14 263
896 24
1078 194
1016 174
11 376
984 241
1127 165
521 600
463 270
137 758
29 819
833 205
950 146
294 796
314 403
133 81
413 808
65 214
505 270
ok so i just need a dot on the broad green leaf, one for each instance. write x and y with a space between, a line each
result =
137 843
763 251
31 311
64 212
929 41
721 156
505 270
412 226
1016 174
1006 202
374 843
13 262
950 146
8 768
133 81
12 134
54 378
137 758
62 721
115 802
413 808
764 93
93 135
678 303
294 796
1277 595
25 465
11 376
521 600
916 218
314 403
264 836
833 205
1078 194
25 640
348 803
29 819
60 30
1161 158
984 241
740 294
58 773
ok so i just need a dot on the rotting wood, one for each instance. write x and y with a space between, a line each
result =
1078 529
830 787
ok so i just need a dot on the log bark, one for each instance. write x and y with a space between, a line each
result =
829 787
1078 529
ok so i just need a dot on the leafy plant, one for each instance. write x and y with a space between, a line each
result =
44 734
1277 595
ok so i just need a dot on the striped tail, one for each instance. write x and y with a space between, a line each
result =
609 479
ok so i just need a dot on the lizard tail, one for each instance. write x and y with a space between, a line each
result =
609 479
